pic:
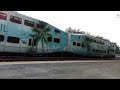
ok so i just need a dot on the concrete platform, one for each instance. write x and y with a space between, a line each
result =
92 69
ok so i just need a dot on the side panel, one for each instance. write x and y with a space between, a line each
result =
77 49
14 30
4 31
26 35
51 47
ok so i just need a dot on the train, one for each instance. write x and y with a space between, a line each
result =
16 37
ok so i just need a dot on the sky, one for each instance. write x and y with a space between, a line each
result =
101 23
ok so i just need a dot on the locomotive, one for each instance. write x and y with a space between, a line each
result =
15 38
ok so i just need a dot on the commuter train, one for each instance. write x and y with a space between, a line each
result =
16 38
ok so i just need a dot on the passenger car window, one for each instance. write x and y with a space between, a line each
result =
57 40
15 19
3 16
1 38
29 23
13 39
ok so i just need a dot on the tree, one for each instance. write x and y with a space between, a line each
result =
69 30
41 33
75 31
86 43
87 46
117 49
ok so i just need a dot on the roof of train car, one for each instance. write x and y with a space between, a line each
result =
40 20
52 25
77 34
92 37
33 18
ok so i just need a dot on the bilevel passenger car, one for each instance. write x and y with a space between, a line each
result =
90 46
16 32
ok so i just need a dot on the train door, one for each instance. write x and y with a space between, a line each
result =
32 45
3 30
108 51
23 45
88 50
3 33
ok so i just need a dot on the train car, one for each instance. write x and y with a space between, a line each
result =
57 42
15 32
15 35
76 44
96 47
111 49
89 46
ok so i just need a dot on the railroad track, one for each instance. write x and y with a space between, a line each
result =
24 58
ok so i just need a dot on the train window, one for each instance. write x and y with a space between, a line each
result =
74 43
98 46
93 50
4 28
95 41
112 50
102 47
91 40
104 51
83 45
1 27
30 42
97 51
101 51
29 23
57 40
38 25
78 44
34 42
13 39
3 16
102 43
57 31
15 19
87 39
49 39
1 38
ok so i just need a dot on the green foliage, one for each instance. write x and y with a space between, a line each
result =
75 31
86 43
117 50
41 33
